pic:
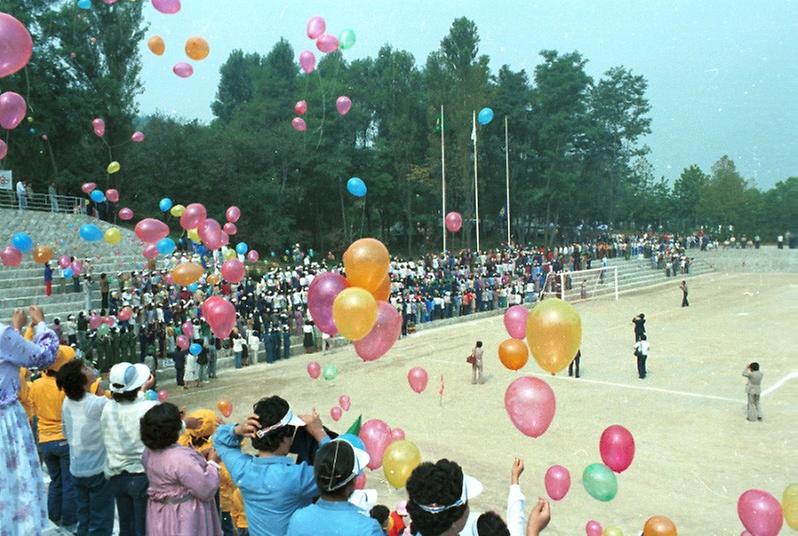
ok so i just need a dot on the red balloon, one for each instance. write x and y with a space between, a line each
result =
150 230
210 233
150 251
12 109
617 447
417 378
16 45
230 228
314 370
360 481
531 404
327 43
321 294
454 222
88 187
301 107
335 413
397 434
112 195
183 342
98 125
11 256
316 27
125 214
221 316
193 216
760 513
253 255
343 104
345 402
233 270
3 149
557 482
382 336
299 124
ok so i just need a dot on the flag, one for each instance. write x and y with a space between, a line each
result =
355 428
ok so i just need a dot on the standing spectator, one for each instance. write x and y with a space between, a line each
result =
22 195
641 353
575 364
53 197
48 279
754 389
238 347
683 288
308 343
286 342
476 363
640 326
104 290
253 344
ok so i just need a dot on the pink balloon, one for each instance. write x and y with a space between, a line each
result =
169 279
314 370
530 403
233 270
167 7
417 378
210 233
112 195
335 413
150 230
163 395
187 328
316 27
376 436
137 137
88 187
183 342
345 402
3 149
95 321
253 255
77 267
307 60
454 222
183 69
193 216
124 314
99 127
593 528
343 104
125 214
109 320
299 124
300 107
230 228
760 513
16 45
322 292
397 434
360 481
327 43
515 321
225 239
557 482
64 261
617 447
382 336
12 108
232 214
221 316
150 251
11 256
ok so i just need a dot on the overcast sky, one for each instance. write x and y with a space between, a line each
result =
723 75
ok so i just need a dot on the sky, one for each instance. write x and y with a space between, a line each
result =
723 75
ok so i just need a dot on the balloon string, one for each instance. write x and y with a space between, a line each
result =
323 108
27 90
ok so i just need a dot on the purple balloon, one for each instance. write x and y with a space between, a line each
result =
760 512
16 45
183 70
383 335
321 295
12 110
515 321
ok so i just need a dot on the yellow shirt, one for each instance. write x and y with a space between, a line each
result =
47 400
23 395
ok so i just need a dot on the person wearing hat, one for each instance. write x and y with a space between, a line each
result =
337 465
273 486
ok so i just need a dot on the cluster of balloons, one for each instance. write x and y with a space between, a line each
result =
762 515
617 448
389 449
344 403
326 43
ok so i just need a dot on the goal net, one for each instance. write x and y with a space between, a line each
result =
582 285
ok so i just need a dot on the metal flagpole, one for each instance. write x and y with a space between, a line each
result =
476 179
443 180
507 169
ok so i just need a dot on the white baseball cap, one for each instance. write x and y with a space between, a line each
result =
125 377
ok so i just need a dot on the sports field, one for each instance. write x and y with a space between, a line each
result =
696 453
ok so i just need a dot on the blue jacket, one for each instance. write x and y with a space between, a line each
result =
326 518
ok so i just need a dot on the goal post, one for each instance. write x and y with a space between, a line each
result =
582 285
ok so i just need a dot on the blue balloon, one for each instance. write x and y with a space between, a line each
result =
353 440
195 349
165 204
193 287
23 242
485 116
165 246
90 232
84 4
242 248
151 394
356 187
68 273
97 196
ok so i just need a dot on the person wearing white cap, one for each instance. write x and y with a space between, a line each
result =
272 485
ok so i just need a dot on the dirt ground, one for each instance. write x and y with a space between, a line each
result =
696 453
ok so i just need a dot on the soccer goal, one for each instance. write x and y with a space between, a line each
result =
582 285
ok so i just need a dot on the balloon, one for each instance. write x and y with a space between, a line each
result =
417 378
530 403
225 239
150 230
230 228
343 104
124 314
137 137
12 105
42 254
397 434
485 116
233 270
322 292
3 149
11 256
84 4
193 235
167 7
301 107
112 195
314 370
125 214
90 232
113 167
195 349
383 292
515 321
183 70
95 321
345 402
163 395
354 313
77 267
600 482
454 222
197 48
789 504
253 255
353 440
165 204
156 45
211 233
230 254
221 316
16 45
513 354
68 273
399 460
193 217
335 413
97 196
760 513
183 342
612 531
299 124
307 60
187 328
617 447
659 526
232 214
166 246
98 125
87 187
366 263
593 528
225 407
557 482
112 236
356 187
327 43
382 336
329 372
64 261
150 251
316 27
186 273
554 334
347 39
360 481
376 436
177 210
22 241
242 248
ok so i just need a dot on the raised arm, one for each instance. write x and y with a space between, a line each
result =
39 353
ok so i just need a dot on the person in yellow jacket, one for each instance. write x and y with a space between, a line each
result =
200 440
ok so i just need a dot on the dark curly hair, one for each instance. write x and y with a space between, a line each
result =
160 426
71 379
381 513
269 411
491 524
438 483
333 465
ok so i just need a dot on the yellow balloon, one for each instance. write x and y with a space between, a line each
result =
399 460
177 210
789 505
186 273
42 254
612 531
554 334
354 313
230 254
113 167
193 235
112 236
197 48
156 45
366 264
212 279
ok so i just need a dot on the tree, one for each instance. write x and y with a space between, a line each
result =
724 196
687 192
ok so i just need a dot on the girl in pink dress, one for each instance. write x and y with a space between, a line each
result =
182 483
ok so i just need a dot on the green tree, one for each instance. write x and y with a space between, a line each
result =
687 192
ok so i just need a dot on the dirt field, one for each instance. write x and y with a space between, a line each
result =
695 450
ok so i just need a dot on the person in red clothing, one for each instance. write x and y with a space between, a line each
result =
400 519
48 279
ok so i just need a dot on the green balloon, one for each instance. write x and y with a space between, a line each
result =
103 330
329 372
600 482
347 39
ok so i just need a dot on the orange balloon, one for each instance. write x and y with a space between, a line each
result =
383 292
197 48
554 334
513 354
366 263
354 313
186 273
213 279
156 45
225 407
42 254
659 526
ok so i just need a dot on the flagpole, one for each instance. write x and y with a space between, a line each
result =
476 178
507 170
443 180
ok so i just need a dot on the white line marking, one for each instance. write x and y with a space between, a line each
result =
778 384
